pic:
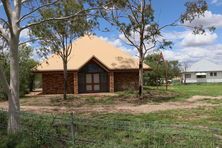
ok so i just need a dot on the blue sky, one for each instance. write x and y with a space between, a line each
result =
187 47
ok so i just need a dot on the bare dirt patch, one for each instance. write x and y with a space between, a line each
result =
193 102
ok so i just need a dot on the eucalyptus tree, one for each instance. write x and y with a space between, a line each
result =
135 19
20 15
57 36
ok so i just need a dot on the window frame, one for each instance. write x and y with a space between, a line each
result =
188 77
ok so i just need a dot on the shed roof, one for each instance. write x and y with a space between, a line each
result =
88 47
204 66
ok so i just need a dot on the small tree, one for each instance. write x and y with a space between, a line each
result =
135 20
12 23
159 71
57 36
26 64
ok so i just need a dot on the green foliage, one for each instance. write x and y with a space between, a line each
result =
26 64
195 9
157 75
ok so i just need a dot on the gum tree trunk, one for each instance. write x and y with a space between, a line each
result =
141 77
13 96
65 79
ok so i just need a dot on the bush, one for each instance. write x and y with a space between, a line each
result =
26 76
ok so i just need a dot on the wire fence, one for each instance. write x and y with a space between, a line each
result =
71 131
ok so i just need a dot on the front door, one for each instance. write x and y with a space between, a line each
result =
92 82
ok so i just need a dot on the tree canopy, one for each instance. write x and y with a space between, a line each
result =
158 73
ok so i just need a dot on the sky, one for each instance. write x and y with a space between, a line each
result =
187 47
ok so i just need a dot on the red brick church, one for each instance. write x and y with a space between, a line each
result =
94 66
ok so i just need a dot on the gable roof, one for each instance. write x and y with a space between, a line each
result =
88 47
204 66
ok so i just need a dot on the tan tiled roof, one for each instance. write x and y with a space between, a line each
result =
88 47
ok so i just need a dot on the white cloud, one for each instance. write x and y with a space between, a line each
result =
193 54
188 39
135 38
191 39
190 48
1 4
216 2
24 34
208 20
120 44
188 54
174 35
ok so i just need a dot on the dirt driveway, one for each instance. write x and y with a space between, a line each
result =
193 102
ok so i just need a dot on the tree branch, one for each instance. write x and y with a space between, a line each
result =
3 35
8 10
46 5
31 40
147 49
59 18
3 32
18 5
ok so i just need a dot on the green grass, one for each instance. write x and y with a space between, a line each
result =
114 130
189 90
204 116
199 89
111 130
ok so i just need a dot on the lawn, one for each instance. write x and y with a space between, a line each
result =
186 91
109 130
204 116
198 89
171 128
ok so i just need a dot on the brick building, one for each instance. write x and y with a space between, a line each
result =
94 66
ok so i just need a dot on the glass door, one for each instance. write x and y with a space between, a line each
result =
92 82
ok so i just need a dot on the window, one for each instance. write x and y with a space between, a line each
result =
92 68
96 78
187 75
88 78
215 74
201 76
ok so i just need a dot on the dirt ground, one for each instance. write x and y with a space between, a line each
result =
193 102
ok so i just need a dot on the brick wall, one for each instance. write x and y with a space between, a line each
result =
52 83
111 82
126 80
75 80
